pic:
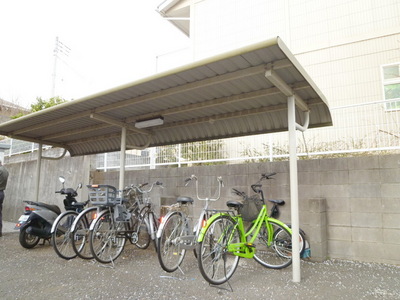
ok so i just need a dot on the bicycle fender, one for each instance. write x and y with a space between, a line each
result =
53 226
73 227
300 230
276 221
165 218
209 221
99 216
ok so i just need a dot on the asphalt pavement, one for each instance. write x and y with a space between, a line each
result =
136 274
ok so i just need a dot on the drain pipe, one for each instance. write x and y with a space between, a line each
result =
38 167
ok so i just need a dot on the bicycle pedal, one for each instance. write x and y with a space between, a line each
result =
250 245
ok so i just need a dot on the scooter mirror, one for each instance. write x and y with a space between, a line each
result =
62 179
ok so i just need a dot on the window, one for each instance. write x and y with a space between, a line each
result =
391 85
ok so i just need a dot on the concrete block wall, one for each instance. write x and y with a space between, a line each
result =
349 207
22 179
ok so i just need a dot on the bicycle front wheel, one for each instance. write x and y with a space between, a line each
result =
107 238
216 264
61 236
169 251
80 233
153 227
274 246
142 240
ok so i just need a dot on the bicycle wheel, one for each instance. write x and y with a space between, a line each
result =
141 236
302 240
216 264
153 228
273 246
80 232
106 240
169 251
61 236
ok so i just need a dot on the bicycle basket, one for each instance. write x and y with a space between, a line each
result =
251 208
100 194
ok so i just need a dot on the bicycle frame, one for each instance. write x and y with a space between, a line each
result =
187 241
190 241
246 247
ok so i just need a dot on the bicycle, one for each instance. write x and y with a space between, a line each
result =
146 222
80 232
80 227
176 235
224 239
61 228
117 223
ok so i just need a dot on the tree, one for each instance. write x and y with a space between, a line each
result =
42 104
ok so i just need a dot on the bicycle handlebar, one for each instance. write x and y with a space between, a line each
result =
267 176
239 193
255 187
139 187
220 184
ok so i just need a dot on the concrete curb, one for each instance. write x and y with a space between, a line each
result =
8 227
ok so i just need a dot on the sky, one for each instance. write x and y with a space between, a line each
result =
111 43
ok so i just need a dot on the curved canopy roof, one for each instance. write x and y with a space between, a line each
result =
243 92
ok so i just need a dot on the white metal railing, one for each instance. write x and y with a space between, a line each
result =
357 129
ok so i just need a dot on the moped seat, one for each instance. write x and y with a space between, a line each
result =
51 207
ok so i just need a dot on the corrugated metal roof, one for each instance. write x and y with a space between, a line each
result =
225 96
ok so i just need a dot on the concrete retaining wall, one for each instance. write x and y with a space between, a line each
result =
349 207
22 178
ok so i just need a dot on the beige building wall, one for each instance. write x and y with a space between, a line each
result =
342 44
339 42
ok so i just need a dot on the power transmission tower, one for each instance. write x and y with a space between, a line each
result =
59 49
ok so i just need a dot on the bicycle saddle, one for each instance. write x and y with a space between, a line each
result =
279 202
234 204
184 200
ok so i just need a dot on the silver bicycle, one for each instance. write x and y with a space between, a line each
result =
176 234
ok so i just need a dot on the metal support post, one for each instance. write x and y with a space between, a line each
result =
294 193
122 160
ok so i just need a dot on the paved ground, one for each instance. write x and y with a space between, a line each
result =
40 273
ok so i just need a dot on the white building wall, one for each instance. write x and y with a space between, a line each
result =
336 41
223 25
342 44
304 25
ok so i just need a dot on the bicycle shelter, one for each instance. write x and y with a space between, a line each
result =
257 89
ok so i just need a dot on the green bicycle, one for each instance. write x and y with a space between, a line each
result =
224 239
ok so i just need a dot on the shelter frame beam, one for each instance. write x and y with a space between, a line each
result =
293 100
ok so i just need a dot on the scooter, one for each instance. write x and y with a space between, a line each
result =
36 222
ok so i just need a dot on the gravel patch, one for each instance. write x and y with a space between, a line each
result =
136 274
